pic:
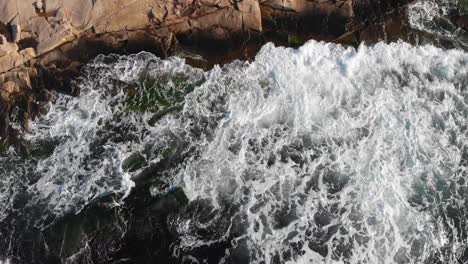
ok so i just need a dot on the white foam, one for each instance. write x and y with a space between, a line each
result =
327 154
320 98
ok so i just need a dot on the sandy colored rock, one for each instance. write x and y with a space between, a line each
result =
51 33
11 61
7 10
26 11
251 15
7 48
41 26
28 53
80 13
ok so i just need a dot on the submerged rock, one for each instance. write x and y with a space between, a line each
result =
105 231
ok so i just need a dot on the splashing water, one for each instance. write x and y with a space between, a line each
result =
422 13
433 18
317 155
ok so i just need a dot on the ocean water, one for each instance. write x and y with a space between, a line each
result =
321 154
431 18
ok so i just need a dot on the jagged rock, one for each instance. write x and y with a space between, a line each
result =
52 32
47 26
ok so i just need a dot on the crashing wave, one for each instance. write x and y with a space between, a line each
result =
323 154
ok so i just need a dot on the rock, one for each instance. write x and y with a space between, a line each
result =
47 27
52 32
307 17
80 13
8 10
24 80
7 90
27 54
7 48
12 60
133 163
343 8
3 40
251 15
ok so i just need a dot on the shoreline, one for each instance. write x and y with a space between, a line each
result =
43 47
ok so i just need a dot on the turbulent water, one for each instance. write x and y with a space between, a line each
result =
432 19
322 154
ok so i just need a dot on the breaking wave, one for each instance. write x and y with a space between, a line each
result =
322 154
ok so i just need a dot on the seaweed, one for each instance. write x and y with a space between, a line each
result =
154 95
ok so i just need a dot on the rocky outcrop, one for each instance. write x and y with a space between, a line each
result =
39 26
33 28
43 43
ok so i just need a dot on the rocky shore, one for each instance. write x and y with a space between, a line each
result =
44 43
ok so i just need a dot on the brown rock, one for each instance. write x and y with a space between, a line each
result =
7 48
7 90
28 53
51 33
8 10
80 13
26 11
8 87
3 40
123 15
54 5
10 61
251 15
342 8
24 80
